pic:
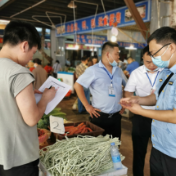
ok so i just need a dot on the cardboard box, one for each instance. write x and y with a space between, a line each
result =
110 172
96 131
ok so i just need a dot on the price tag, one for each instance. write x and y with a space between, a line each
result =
57 125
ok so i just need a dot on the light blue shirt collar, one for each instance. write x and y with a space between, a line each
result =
173 69
103 66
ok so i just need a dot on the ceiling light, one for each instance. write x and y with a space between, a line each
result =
4 21
131 47
92 45
77 46
72 5
113 39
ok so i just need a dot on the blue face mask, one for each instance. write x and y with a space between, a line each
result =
159 62
113 64
151 70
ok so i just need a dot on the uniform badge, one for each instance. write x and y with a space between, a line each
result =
170 82
160 80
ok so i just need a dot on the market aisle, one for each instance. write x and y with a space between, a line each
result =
126 147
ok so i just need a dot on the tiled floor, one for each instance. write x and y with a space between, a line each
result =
126 147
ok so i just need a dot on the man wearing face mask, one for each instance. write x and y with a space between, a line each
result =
162 44
105 82
142 81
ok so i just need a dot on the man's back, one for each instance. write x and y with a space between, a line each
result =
40 75
80 69
132 66
19 141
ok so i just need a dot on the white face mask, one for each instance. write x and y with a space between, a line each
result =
35 65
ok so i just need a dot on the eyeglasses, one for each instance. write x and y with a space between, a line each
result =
152 55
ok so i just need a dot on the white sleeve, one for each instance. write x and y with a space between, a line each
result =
131 84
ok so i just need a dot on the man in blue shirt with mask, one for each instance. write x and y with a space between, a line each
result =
162 45
105 81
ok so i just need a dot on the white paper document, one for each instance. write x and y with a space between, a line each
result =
62 90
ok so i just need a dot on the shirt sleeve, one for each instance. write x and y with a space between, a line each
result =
128 68
124 78
86 78
19 83
131 84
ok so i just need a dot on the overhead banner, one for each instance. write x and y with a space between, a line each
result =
134 45
87 39
103 21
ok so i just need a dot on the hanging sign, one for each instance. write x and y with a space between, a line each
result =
103 21
87 39
135 45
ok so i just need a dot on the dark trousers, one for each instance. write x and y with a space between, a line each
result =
110 123
30 169
161 164
141 132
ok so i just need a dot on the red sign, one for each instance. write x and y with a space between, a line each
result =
111 19
118 17
100 22
84 26
93 23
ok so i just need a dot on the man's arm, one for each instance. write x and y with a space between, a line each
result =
161 115
80 92
32 112
128 94
145 101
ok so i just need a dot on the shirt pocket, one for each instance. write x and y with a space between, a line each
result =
169 137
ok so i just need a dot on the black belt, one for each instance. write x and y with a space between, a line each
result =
109 115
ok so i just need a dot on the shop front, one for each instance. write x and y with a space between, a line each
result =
88 34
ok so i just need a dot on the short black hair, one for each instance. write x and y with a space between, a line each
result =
18 31
93 57
58 61
109 45
163 35
84 58
38 61
145 50
129 58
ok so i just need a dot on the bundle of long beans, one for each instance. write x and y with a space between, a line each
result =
79 156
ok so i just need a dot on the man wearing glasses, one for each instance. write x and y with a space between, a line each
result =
162 45
105 82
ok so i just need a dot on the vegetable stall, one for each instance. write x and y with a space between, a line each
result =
81 151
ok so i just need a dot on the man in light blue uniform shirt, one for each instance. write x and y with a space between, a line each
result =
105 81
162 44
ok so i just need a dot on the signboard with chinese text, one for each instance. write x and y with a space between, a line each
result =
104 21
87 39
135 45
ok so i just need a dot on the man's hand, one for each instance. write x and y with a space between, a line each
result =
92 111
48 94
122 110
37 91
129 101
134 108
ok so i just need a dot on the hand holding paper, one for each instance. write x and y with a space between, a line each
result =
61 91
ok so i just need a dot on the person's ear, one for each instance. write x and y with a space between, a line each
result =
24 46
172 48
